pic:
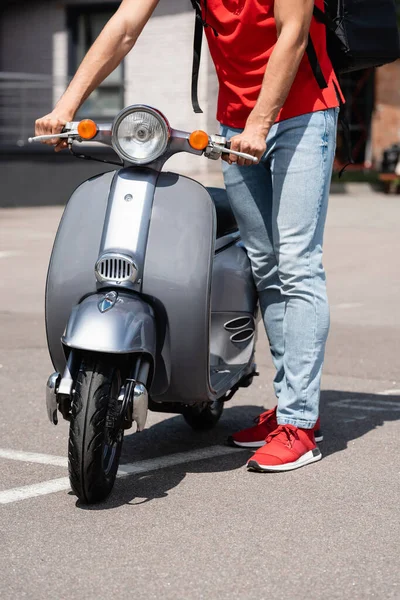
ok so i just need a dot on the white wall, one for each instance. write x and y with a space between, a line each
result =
60 64
158 73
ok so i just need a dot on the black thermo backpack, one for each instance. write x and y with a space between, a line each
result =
360 34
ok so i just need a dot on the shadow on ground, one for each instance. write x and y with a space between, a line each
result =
345 416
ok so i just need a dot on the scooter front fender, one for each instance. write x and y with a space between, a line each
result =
124 325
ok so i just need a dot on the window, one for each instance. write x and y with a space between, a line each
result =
84 24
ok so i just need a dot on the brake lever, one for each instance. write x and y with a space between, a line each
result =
241 154
42 138
218 145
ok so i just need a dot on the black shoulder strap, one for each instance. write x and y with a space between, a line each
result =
314 62
197 43
324 17
200 23
310 50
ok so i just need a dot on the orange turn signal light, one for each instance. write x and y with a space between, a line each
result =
199 140
87 129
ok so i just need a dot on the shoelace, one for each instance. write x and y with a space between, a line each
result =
265 416
283 434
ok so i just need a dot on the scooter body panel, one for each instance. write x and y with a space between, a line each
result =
233 317
233 287
107 215
178 274
168 228
124 326
75 252
127 221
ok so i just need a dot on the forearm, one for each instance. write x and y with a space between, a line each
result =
278 79
110 48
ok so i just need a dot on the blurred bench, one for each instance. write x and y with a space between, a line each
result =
391 182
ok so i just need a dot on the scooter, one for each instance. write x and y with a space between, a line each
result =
150 299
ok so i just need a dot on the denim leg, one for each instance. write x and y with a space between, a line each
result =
250 195
301 166
281 206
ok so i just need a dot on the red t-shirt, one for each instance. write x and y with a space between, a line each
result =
246 37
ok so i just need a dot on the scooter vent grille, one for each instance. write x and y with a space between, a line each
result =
115 268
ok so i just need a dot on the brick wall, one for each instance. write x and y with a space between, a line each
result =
386 119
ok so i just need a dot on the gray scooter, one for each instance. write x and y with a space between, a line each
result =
150 300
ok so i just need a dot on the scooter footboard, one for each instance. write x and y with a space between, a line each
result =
120 323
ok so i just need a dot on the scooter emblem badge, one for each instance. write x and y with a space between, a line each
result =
108 301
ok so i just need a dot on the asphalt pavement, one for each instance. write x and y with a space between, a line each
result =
188 521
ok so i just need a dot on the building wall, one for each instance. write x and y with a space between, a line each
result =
34 39
386 120
26 35
158 73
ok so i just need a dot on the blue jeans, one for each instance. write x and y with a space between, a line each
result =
280 206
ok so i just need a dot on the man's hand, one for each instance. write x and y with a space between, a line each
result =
53 123
252 141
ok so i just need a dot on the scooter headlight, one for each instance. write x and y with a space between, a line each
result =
140 134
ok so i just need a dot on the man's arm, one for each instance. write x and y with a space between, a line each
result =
293 18
113 44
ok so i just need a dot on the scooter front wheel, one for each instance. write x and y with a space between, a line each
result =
203 417
94 446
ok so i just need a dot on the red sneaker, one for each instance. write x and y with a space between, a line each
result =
287 448
266 423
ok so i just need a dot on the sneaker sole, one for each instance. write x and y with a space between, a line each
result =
318 438
233 442
306 459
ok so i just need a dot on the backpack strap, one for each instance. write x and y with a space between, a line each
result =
197 44
324 17
199 25
314 62
321 17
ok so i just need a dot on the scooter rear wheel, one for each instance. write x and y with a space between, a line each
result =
94 447
203 417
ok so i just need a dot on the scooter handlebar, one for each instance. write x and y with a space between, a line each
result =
42 138
69 131
219 145
227 150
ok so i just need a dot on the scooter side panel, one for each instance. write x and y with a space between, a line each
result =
233 288
177 273
75 252
128 326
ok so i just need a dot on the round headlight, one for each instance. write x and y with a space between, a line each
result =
140 134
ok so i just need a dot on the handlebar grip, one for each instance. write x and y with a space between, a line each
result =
228 145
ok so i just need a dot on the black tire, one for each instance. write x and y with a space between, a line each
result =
204 416
93 456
